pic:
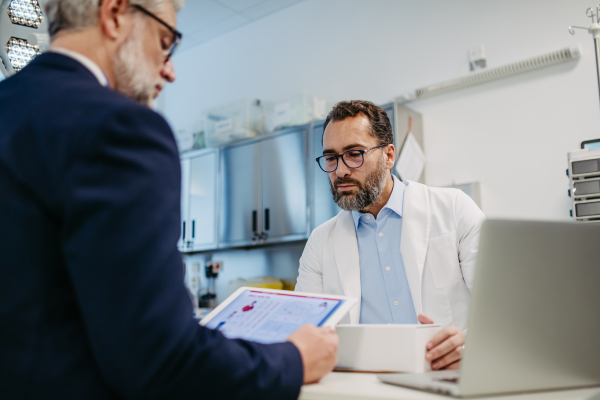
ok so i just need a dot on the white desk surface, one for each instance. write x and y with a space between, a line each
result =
365 386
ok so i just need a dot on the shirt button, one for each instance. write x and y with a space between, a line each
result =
396 303
368 217
380 234
387 268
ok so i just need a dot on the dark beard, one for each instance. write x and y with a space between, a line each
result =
367 194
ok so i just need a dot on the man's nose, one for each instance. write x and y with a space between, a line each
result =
168 71
342 169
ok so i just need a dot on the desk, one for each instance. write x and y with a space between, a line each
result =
363 386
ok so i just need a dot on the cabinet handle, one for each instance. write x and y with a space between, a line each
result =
183 234
267 224
254 221
193 228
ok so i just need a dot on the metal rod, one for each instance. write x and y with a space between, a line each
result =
597 46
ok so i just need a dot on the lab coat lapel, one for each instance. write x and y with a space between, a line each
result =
347 260
416 225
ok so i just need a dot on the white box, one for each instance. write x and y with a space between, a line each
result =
384 348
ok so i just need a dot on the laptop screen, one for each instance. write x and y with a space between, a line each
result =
271 317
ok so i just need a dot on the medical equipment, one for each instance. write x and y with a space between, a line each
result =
209 298
594 30
584 165
544 60
23 34
584 182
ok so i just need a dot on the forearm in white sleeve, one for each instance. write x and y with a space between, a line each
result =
310 273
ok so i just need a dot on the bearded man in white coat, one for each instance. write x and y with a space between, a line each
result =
405 250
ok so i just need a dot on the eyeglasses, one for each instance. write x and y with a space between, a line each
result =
352 158
176 34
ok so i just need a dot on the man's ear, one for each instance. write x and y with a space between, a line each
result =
390 156
115 20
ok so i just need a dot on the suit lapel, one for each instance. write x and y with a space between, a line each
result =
347 260
416 225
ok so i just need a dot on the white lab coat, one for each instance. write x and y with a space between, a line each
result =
440 237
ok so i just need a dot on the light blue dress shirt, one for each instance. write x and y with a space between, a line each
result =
385 294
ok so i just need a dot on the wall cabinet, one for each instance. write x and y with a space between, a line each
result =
284 182
240 194
199 201
263 190
185 196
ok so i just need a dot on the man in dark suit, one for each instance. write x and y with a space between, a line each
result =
92 302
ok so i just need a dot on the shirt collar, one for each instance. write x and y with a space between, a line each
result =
86 62
395 202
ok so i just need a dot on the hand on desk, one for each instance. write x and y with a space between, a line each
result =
318 349
444 350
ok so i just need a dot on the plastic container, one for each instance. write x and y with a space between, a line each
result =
299 109
185 139
229 123
191 138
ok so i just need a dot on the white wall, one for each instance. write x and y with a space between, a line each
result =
279 261
511 135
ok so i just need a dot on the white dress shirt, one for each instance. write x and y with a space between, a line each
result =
385 294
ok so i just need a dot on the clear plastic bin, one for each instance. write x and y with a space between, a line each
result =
239 120
191 138
185 140
296 110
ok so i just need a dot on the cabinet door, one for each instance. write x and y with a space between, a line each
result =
324 208
185 189
240 215
284 204
202 200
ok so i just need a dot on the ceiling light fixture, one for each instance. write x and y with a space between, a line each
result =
25 12
23 31
20 53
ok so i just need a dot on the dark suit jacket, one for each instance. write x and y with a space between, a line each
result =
92 301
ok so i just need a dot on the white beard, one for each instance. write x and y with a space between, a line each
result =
133 75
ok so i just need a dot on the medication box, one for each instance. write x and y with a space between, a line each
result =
384 348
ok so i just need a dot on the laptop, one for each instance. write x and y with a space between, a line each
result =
534 322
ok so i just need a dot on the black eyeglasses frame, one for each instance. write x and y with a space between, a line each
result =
338 156
177 36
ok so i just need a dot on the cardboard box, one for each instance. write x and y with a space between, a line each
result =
383 348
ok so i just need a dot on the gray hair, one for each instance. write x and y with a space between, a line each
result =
75 15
